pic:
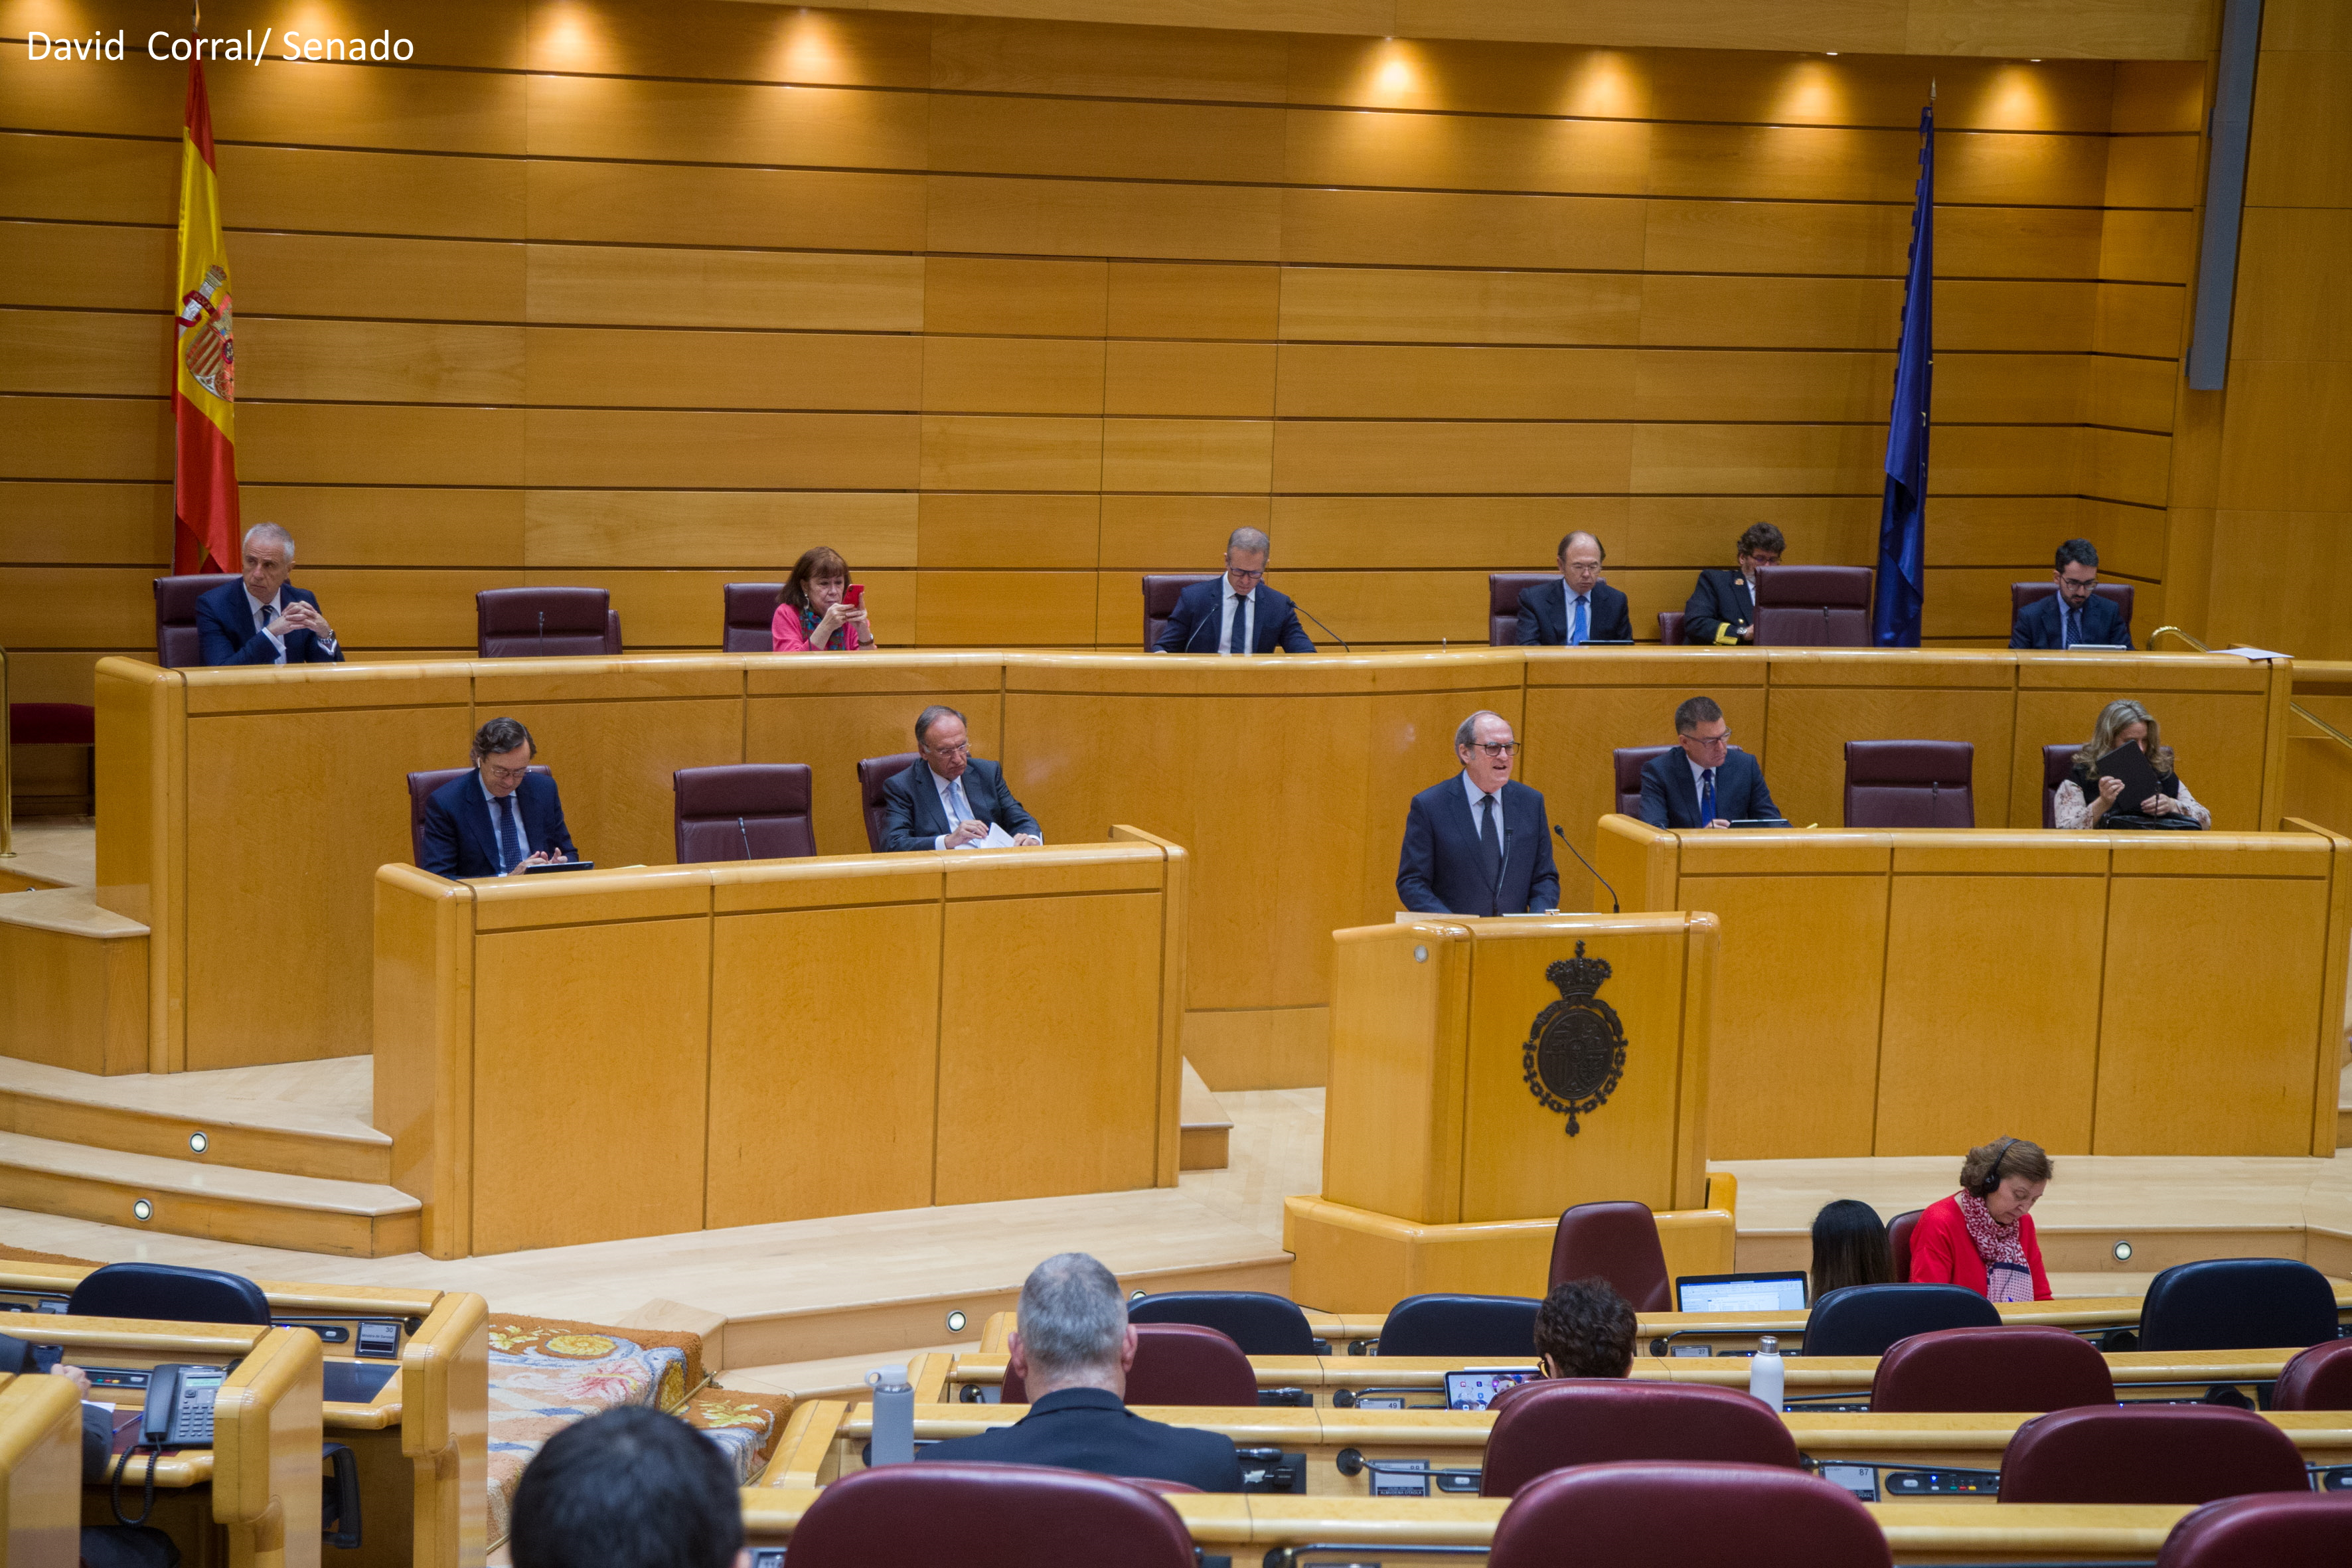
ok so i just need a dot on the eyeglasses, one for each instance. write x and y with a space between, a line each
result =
1497 748
960 749
1257 576
1722 740
506 776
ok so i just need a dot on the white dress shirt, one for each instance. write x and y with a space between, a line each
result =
514 801
1470 788
1245 605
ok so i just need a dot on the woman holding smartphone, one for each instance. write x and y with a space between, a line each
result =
818 609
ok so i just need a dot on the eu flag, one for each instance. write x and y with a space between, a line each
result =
1903 515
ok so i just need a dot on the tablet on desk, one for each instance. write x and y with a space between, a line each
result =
1760 822
1473 1388
559 866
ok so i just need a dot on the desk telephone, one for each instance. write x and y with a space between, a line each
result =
179 1414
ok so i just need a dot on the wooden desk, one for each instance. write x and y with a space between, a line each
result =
1916 993
736 1044
40 1472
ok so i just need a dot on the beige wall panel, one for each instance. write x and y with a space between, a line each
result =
666 205
620 1015
126 524
2148 247
1773 312
1212 380
1101 217
1775 237
1721 83
2303 111
1750 458
701 38
2136 393
378 277
830 731
1397 382
79 607
1181 533
712 122
378 362
990 295
1006 609
1188 455
592 447
415 610
1398 305
1876 27
1423 71
1973 601
2053 316
1703 530
1799 163
1509 532
977 453
2152 172
2132 540
1438 229
2155 96
86 439
770 1069
1077 138
654 287
345 105
2283 311
1586 157
320 189
2207 731
299 443
91 179
994 532
756 536
2128 466
90 265
1436 456
2254 603
1012 375
2006 460
2272 402
79 353
1192 299
2007 388
1393 606
2143 28
640 369
117 97
2306 24
2146 318
2157 1038
1812 723
1002 54
613 762
348 525
1701 385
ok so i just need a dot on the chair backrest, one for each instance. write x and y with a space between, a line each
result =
167 1293
2237 1304
2057 766
1898 1242
16 1357
1461 1325
2267 1530
1160 595
2020 1368
52 724
2148 1454
2119 594
1910 784
1619 1242
421 788
1644 1514
2317 1379
1175 1364
1628 763
873 772
1261 1323
545 623
744 810
988 1516
1670 627
1503 591
1866 1319
1813 607
1561 1422
751 613
176 643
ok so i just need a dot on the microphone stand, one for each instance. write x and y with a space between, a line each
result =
1588 865
1328 632
747 839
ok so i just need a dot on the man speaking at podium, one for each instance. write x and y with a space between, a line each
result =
1480 844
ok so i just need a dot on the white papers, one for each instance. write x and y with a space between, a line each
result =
2250 653
996 838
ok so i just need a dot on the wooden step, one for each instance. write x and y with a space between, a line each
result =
1204 1131
73 983
221 1203
297 1119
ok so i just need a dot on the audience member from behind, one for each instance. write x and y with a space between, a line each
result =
1073 1349
499 817
1850 1247
1584 1329
950 799
1722 609
1235 613
631 1487
1705 783
1981 1236
2074 613
1478 844
262 618
1578 609
2086 800
814 610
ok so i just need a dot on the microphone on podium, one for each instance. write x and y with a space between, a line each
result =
747 839
1588 865
1328 632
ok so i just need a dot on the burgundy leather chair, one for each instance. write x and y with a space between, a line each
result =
2057 766
2119 594
1629 762
2148 1454
1644 1514
1898 1242
52 724
873 772
2020 1368
177 645
751 613
1910 784
421 787
988 1516
2317 1379
1670 627
1175 1364
545 623
1813 607
1503 591
2269 1529
1561 1422
1619 1242
745 811
1160 595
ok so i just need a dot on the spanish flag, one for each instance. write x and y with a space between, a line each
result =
204 391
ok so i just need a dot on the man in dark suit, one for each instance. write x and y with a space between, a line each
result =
1578 609
1478 844
1706 783
950 798
264 619
2074 613
499 817
1236 613
1721 612
1073 1349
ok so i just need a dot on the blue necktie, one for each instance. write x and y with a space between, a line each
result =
1705 797
510 838
1490 839
1576 633
959 808
1236 640
2074 628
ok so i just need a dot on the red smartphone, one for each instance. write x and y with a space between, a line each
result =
855 597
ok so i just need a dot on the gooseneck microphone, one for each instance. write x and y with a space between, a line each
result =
1588 865
542 630
1328 632
747 839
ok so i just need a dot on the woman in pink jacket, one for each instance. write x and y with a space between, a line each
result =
1981 1236
813 611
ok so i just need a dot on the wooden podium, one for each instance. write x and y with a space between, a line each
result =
1486 1074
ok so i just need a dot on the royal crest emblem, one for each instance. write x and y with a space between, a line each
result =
208 335
1576 1051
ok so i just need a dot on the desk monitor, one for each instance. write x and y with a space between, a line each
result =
1741 1292
1473 1388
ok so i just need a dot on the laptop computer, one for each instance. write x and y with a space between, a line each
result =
1783 1292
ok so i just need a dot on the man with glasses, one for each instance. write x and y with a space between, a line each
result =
1706 783
2076 614
950 799
1480 844
1721 612
1236 613
502 816
1578 609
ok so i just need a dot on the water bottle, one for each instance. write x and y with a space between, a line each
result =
894 1415
1766 1378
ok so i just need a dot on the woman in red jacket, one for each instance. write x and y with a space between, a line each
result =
1981 1236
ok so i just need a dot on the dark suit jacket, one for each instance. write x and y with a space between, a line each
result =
1090 1429
457 841
1717 608
2039 624
1543 615
1192 626
1669 798
1438 872
224 626
912 816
